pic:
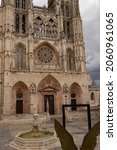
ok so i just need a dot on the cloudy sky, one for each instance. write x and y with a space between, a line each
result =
90 12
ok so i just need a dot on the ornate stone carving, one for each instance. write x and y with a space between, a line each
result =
46 28
49 82
75 88
45 55
65 88
33 88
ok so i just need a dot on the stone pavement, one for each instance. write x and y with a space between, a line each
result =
8 130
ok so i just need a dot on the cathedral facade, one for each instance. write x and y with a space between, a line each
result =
42 57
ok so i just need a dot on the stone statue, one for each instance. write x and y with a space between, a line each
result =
36 125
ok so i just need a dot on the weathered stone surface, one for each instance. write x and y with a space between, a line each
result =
35 144
41 50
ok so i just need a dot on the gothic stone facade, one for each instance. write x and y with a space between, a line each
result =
42 57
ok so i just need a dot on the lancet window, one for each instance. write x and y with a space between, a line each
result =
23 4
92 96
17 4
20 57
65 7
20 4
23 24
67 23
67 29
20 23
70 60
20 17
17 23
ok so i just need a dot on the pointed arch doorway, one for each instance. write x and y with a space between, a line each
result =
76 95
21 98
50 95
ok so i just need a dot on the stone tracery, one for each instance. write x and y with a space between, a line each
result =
46 29
45 55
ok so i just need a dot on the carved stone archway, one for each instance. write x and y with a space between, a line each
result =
21 99
76 93
50 93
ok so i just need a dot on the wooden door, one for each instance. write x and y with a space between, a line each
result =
49 104
73 102
19 106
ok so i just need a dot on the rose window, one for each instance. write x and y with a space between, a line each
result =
45 55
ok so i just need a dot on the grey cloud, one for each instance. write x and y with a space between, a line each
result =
90 12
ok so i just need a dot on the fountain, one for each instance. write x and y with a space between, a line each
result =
36 138
36 126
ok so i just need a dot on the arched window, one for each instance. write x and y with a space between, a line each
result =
23 24
92 96
62 7
17 23
20 57
20 18
67 25
23 4
70 60
20 4
65 7
17 4
67 11
20 23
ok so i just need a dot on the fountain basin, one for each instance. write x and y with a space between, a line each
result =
37 134
43 143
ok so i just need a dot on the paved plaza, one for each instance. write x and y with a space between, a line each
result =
10 128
